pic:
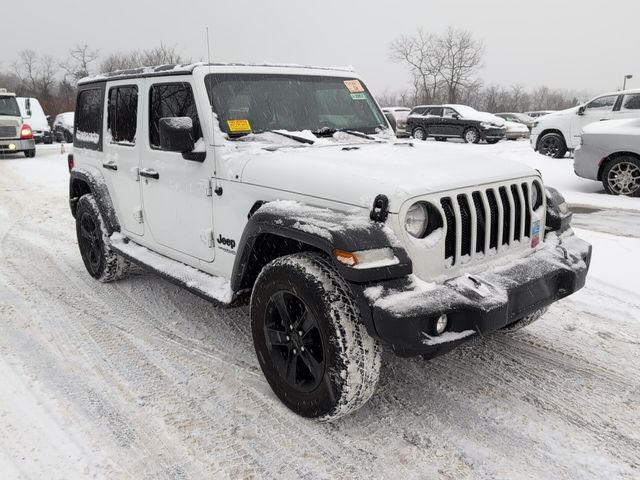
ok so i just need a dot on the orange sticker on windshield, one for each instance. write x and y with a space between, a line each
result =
354 86
242 125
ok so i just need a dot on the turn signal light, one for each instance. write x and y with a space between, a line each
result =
25 132
345 257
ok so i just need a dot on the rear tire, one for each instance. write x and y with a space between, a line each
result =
419 133
471 135
552 145
621 176
30 153
100 260
310 342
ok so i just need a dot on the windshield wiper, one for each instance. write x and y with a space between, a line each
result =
308 141
329 131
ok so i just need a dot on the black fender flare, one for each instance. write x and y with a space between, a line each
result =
79 182
321 229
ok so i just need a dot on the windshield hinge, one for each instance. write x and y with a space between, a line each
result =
380 210
208 189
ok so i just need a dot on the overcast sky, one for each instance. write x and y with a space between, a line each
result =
574 44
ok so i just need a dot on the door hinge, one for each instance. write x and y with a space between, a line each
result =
138 215
208 189
207 237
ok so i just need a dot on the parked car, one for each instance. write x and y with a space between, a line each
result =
519 118
15 135
455 121
400 114
63 127
33 113
539 113
516 131
559 132
340 239
610 153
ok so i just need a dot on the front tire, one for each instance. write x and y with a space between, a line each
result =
621 176
100 260
552 145
68 137
525 321
471 135
310 342
419 133
30 153
493 141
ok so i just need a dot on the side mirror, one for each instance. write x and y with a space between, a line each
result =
582 109
456 116
176 134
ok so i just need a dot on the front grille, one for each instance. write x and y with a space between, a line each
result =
8 132
483 221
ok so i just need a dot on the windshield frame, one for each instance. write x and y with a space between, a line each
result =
375 110
16 112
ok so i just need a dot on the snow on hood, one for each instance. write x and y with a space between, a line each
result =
516 126
561 113
615 127
397 170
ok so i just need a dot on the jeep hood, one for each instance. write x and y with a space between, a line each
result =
355 176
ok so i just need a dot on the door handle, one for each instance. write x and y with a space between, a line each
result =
149 173
110 165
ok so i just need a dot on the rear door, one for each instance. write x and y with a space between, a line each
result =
433 121
629 107
178 207
122 153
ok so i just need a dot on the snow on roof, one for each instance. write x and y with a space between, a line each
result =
187 69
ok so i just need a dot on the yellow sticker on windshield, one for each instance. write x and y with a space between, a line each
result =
242 125
354 86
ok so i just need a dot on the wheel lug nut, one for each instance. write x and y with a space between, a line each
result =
288 338
302 349
295 351
300 332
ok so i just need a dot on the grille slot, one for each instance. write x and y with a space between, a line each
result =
8 131
483 222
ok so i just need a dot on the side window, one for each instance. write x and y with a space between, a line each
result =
88 131
631 102
435 112
171 100
603 103
122 114
449 113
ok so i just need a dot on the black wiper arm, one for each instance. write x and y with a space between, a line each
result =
328 131
288 135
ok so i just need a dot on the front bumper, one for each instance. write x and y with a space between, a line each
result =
517 135
403 312
492 133
18 145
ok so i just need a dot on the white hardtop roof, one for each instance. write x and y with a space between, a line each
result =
165 70
620 92
4 93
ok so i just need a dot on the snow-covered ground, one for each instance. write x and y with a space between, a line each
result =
140 379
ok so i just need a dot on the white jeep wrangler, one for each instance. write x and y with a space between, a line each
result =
283 187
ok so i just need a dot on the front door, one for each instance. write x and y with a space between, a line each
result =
122 154
629 107
451 124
178 206
596 110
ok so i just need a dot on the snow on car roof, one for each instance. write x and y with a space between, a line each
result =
187 69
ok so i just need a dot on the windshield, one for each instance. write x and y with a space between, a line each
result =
9 106
260 102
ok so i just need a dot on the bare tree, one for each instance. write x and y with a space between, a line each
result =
423 56
462 60
37 75
77 66
160 55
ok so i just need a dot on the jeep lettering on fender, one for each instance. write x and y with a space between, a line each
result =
343 240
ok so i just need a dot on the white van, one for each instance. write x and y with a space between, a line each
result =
33 113
554 134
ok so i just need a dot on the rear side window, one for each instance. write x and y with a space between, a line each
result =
88 131
123 114
631 102
171 100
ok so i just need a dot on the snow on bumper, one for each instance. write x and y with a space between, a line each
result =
404 311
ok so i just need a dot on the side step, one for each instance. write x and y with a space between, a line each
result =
214 289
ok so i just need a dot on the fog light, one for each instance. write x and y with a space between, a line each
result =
441 324
12 146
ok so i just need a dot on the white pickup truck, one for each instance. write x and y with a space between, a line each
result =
283 187
555 134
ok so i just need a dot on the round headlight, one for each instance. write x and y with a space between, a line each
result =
536 195
416 220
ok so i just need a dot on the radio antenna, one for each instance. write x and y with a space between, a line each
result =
215 187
